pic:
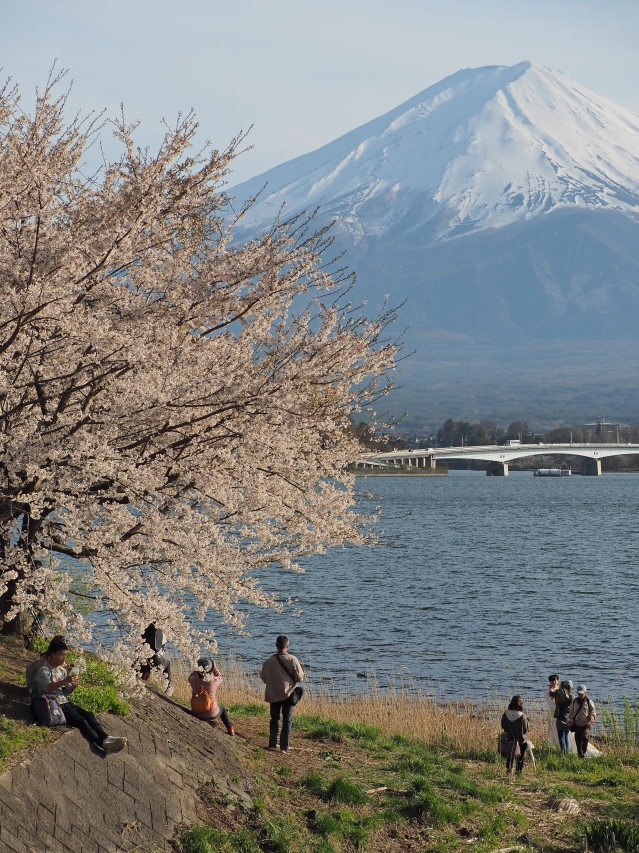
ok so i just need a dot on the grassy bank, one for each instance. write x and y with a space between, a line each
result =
349 786
386 772
395 771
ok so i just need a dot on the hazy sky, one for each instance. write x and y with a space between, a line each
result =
302 72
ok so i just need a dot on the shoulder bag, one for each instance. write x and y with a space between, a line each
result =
48 710
297 694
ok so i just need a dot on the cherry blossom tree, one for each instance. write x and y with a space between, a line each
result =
173 407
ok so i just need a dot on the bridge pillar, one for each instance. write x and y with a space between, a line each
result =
591 468
430 462
497 469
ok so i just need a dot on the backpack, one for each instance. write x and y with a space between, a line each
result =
48 711
201 703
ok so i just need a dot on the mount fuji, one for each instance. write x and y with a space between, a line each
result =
502 204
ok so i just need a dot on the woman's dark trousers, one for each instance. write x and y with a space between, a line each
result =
520 758
85 721
286 710
582 733
224 716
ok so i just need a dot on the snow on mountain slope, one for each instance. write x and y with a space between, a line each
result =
482 148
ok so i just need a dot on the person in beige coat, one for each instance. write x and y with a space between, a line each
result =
281 673
582 716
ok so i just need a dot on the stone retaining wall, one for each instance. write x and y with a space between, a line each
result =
71 798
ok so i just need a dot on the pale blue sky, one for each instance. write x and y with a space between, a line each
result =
302 72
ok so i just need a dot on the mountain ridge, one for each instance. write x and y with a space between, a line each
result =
511 234
483 147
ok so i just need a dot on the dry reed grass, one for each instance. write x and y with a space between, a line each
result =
467 728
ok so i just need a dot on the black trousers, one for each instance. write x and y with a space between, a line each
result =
582 733
87 722
520 758
223 715
286 710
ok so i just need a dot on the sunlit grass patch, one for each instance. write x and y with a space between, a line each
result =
17 737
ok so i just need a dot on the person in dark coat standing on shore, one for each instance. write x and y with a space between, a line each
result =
281 673
515 725
563 700
154 638
582 716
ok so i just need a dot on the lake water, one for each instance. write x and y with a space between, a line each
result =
480 585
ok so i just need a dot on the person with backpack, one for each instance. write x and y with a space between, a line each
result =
516 726
55 682
281 674
582 717
563 700
204 684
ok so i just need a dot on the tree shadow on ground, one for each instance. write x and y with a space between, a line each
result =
15 702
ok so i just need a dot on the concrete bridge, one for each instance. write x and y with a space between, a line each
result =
499 456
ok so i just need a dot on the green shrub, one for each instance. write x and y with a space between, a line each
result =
99 689
607 836
347 825
318 728
16 736
281 835
340 790
343 790
286 772
206 839
314 784
248 709
424 801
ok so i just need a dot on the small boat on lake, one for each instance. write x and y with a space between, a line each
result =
553 472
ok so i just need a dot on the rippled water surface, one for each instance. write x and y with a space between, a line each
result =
480 584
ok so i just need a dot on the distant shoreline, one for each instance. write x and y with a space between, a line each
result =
418 472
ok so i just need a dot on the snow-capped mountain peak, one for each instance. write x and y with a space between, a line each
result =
482 148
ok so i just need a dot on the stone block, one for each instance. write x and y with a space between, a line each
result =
11 843
46 819
70 842
9 822
132 773
115 773
158 813
174 811
143 813
87 844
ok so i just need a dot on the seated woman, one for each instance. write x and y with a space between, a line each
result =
204 683
31 672
54 678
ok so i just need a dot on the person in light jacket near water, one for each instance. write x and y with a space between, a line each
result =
516 726
582 716
281 673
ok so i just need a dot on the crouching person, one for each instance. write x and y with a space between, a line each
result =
204 684
55 681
